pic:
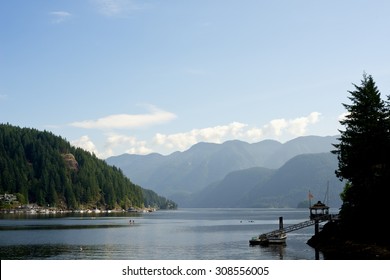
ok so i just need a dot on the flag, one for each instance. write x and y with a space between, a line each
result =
310 196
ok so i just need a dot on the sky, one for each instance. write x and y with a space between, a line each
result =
158 76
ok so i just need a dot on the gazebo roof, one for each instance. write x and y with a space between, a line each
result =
319 205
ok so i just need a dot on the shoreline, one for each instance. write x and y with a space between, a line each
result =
35 210
334 246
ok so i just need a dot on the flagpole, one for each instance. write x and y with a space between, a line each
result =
310 197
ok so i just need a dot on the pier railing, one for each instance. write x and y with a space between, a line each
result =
318 219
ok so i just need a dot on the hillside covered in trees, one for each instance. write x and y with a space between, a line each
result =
41 168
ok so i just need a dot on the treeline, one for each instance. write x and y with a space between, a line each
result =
45 169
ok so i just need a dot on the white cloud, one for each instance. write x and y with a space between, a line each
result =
255 133
112 8
141 150
118 143
275 129
298 126
116 139
115 144
292 128
129 144
59 16
85 143
216 134
126 121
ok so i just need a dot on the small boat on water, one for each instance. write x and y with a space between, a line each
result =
273 237
264 239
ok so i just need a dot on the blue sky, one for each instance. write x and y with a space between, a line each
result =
123 76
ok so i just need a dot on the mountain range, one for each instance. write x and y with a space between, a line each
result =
239 174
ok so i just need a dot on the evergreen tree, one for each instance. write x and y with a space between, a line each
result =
363 162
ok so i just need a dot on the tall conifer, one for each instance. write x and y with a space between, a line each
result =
363 160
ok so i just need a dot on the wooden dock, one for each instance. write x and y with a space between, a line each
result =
283 230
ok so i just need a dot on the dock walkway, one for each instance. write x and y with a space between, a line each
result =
308 223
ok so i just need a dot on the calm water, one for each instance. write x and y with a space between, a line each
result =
213 234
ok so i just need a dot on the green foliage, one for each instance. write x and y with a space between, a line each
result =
153 200
364 162
45 169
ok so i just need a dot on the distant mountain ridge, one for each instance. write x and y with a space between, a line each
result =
184 174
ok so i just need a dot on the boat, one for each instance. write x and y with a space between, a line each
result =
266 239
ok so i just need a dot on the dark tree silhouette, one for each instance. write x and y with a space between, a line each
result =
363 154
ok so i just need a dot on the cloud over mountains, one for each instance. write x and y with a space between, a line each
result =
115 141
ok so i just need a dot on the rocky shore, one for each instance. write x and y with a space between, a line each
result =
335 246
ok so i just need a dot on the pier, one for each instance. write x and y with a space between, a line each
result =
319 213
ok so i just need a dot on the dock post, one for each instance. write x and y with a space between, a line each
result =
316 226
280 223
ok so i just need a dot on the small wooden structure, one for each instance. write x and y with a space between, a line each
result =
318 209
318 212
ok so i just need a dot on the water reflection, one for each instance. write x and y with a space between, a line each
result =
277 251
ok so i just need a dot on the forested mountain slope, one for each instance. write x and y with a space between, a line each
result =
39 167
